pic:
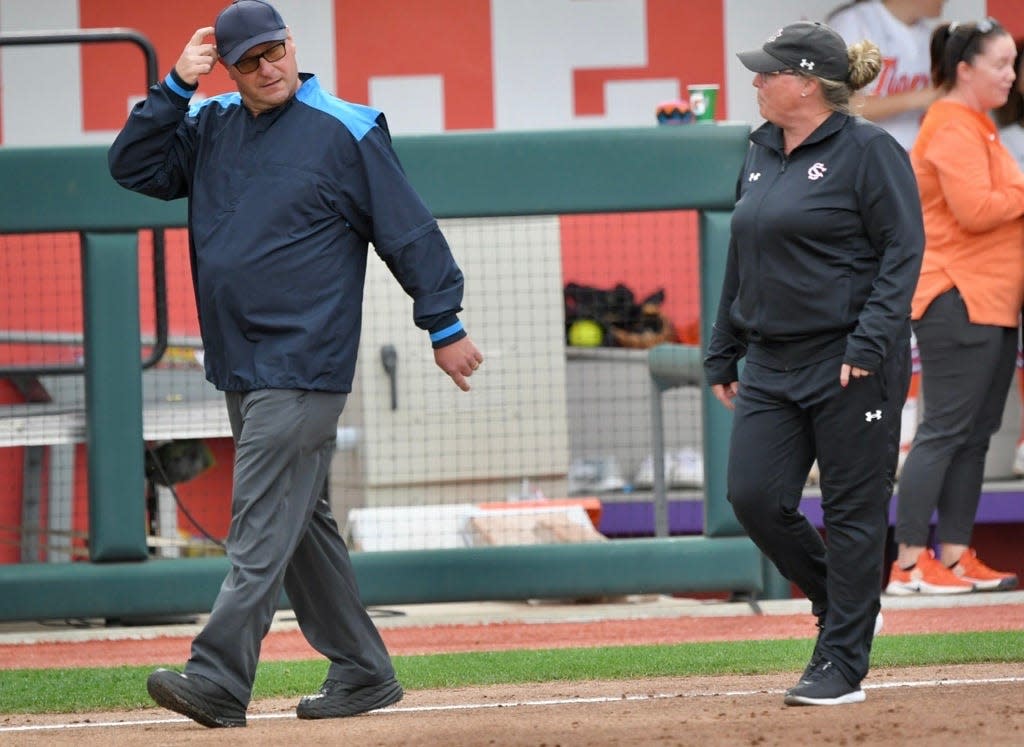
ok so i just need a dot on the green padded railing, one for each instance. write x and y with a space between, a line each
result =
459 175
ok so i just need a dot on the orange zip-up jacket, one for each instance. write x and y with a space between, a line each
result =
972 195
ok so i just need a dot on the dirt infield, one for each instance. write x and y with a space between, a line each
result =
977 704
924 707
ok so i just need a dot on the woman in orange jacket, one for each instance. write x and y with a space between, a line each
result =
965 309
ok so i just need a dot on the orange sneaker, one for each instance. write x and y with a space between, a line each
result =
969 568
926 576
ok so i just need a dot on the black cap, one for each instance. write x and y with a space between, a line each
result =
244 24
811 48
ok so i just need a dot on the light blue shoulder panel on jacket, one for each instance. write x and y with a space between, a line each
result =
357 118
225 100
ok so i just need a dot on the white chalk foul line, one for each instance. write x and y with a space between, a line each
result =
519 704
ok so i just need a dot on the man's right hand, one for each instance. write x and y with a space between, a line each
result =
459 360
197 58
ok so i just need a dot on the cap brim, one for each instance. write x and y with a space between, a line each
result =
759 61
241 48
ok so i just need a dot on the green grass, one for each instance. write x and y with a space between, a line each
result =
123 688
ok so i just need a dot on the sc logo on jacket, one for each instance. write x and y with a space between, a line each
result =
815 172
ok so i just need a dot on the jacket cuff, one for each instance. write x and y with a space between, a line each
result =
179 87
446 330
860 358
718 376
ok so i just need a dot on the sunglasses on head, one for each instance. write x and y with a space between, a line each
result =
964 33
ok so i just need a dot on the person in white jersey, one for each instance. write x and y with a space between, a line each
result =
901 29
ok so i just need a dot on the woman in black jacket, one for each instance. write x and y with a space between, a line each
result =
826 246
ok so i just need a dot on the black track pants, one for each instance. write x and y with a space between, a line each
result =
784 420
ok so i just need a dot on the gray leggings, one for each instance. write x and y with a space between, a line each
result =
966 372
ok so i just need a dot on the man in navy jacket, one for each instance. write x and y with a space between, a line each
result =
287 186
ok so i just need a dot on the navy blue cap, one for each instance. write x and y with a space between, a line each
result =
244 24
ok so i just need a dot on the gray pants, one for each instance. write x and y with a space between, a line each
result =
282 533
966 372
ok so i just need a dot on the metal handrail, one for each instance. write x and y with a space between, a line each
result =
87 36
91 36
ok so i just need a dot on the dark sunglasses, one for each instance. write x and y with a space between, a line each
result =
271 54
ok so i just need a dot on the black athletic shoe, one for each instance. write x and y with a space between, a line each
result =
198 698
337 699
816 655
824 685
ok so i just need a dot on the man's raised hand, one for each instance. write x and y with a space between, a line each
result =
198 57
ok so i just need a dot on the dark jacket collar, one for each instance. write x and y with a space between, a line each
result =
770 135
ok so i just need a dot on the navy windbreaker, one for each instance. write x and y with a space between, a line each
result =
282 208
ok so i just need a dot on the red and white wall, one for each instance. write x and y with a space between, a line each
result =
432 65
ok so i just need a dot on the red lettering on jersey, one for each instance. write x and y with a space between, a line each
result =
890 81
887 73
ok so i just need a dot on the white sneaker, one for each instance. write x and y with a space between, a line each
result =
685 468
1018 460
644 477
595 475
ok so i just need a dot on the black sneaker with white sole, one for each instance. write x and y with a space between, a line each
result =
202 700
824 685
816 655
337 699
